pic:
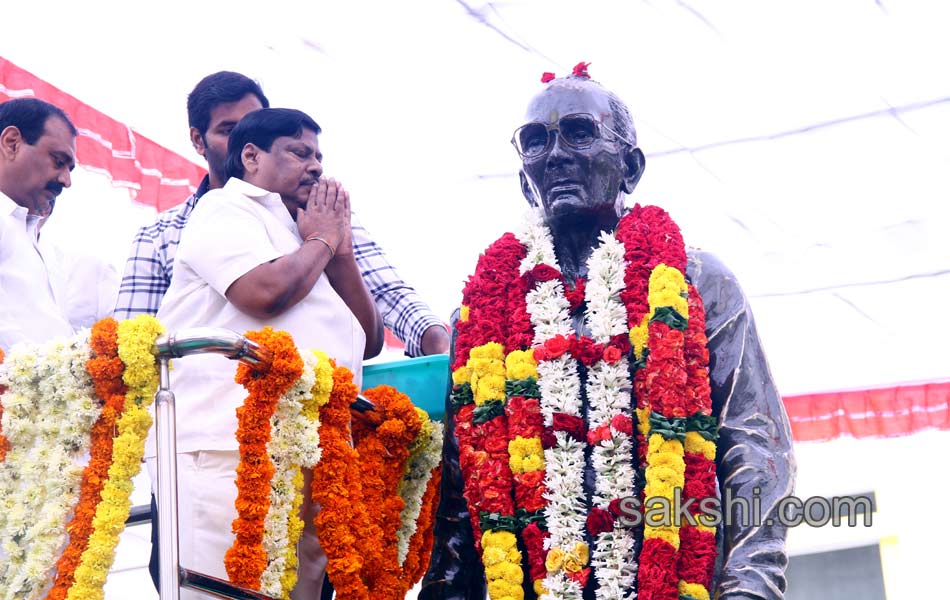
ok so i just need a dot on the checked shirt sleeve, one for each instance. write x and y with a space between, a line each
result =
148 270
403 311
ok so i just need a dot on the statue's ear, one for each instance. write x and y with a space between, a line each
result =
633 164
527 190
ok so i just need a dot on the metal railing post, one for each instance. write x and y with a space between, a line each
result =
167 492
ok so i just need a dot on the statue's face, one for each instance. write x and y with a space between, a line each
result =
570 182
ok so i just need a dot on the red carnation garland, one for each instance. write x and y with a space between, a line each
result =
674 384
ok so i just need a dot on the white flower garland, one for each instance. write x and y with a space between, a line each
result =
412 487
560 386
608 395
294 442
49 411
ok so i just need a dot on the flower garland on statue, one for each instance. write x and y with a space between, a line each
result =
517 299
136 339
49 409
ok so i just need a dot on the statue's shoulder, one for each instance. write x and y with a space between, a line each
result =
717 285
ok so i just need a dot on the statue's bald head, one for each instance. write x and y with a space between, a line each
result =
583 171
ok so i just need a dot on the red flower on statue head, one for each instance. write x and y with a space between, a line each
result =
580 70
547 77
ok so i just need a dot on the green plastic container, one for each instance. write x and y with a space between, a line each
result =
424 379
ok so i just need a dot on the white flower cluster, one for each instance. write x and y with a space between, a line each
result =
609 395
413 485
560 386
536 237
294 442
49 410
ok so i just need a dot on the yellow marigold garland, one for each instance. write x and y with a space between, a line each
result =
136 339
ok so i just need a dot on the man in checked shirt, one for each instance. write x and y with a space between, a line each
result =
215 106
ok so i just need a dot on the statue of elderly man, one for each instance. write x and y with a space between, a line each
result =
613 424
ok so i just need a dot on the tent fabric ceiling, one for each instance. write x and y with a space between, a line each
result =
805 143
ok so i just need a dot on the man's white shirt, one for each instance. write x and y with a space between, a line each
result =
233 230
32 285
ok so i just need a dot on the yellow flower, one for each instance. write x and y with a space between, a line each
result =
493 555
322 386
488 387
668 534
501 590
582 552
657 444
666 459
694 590
462 375
539 588
136 338
554 560
668 288
487 363
501 539
575 560
697 444
463 313
640 335
643 420
520 364
526 454
491 350
664 475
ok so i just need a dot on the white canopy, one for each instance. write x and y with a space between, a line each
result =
805 143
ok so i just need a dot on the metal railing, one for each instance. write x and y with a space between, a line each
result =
199 340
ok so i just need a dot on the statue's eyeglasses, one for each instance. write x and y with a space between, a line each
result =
578 131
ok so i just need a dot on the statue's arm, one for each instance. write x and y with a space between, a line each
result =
455 569
754 451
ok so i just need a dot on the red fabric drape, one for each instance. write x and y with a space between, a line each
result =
155 175
882 412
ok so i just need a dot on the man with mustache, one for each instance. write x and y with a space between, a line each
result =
37 154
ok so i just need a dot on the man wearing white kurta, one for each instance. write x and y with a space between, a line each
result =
272 247
37 153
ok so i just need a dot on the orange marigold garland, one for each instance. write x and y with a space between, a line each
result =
246 560
337 488
420 545
106 369
382 438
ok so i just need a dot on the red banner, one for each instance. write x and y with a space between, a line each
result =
873 413
154 175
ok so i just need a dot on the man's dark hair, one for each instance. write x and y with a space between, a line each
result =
29 115
261 128
219 88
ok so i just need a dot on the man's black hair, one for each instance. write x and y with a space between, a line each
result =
219 88
261 128
29 115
